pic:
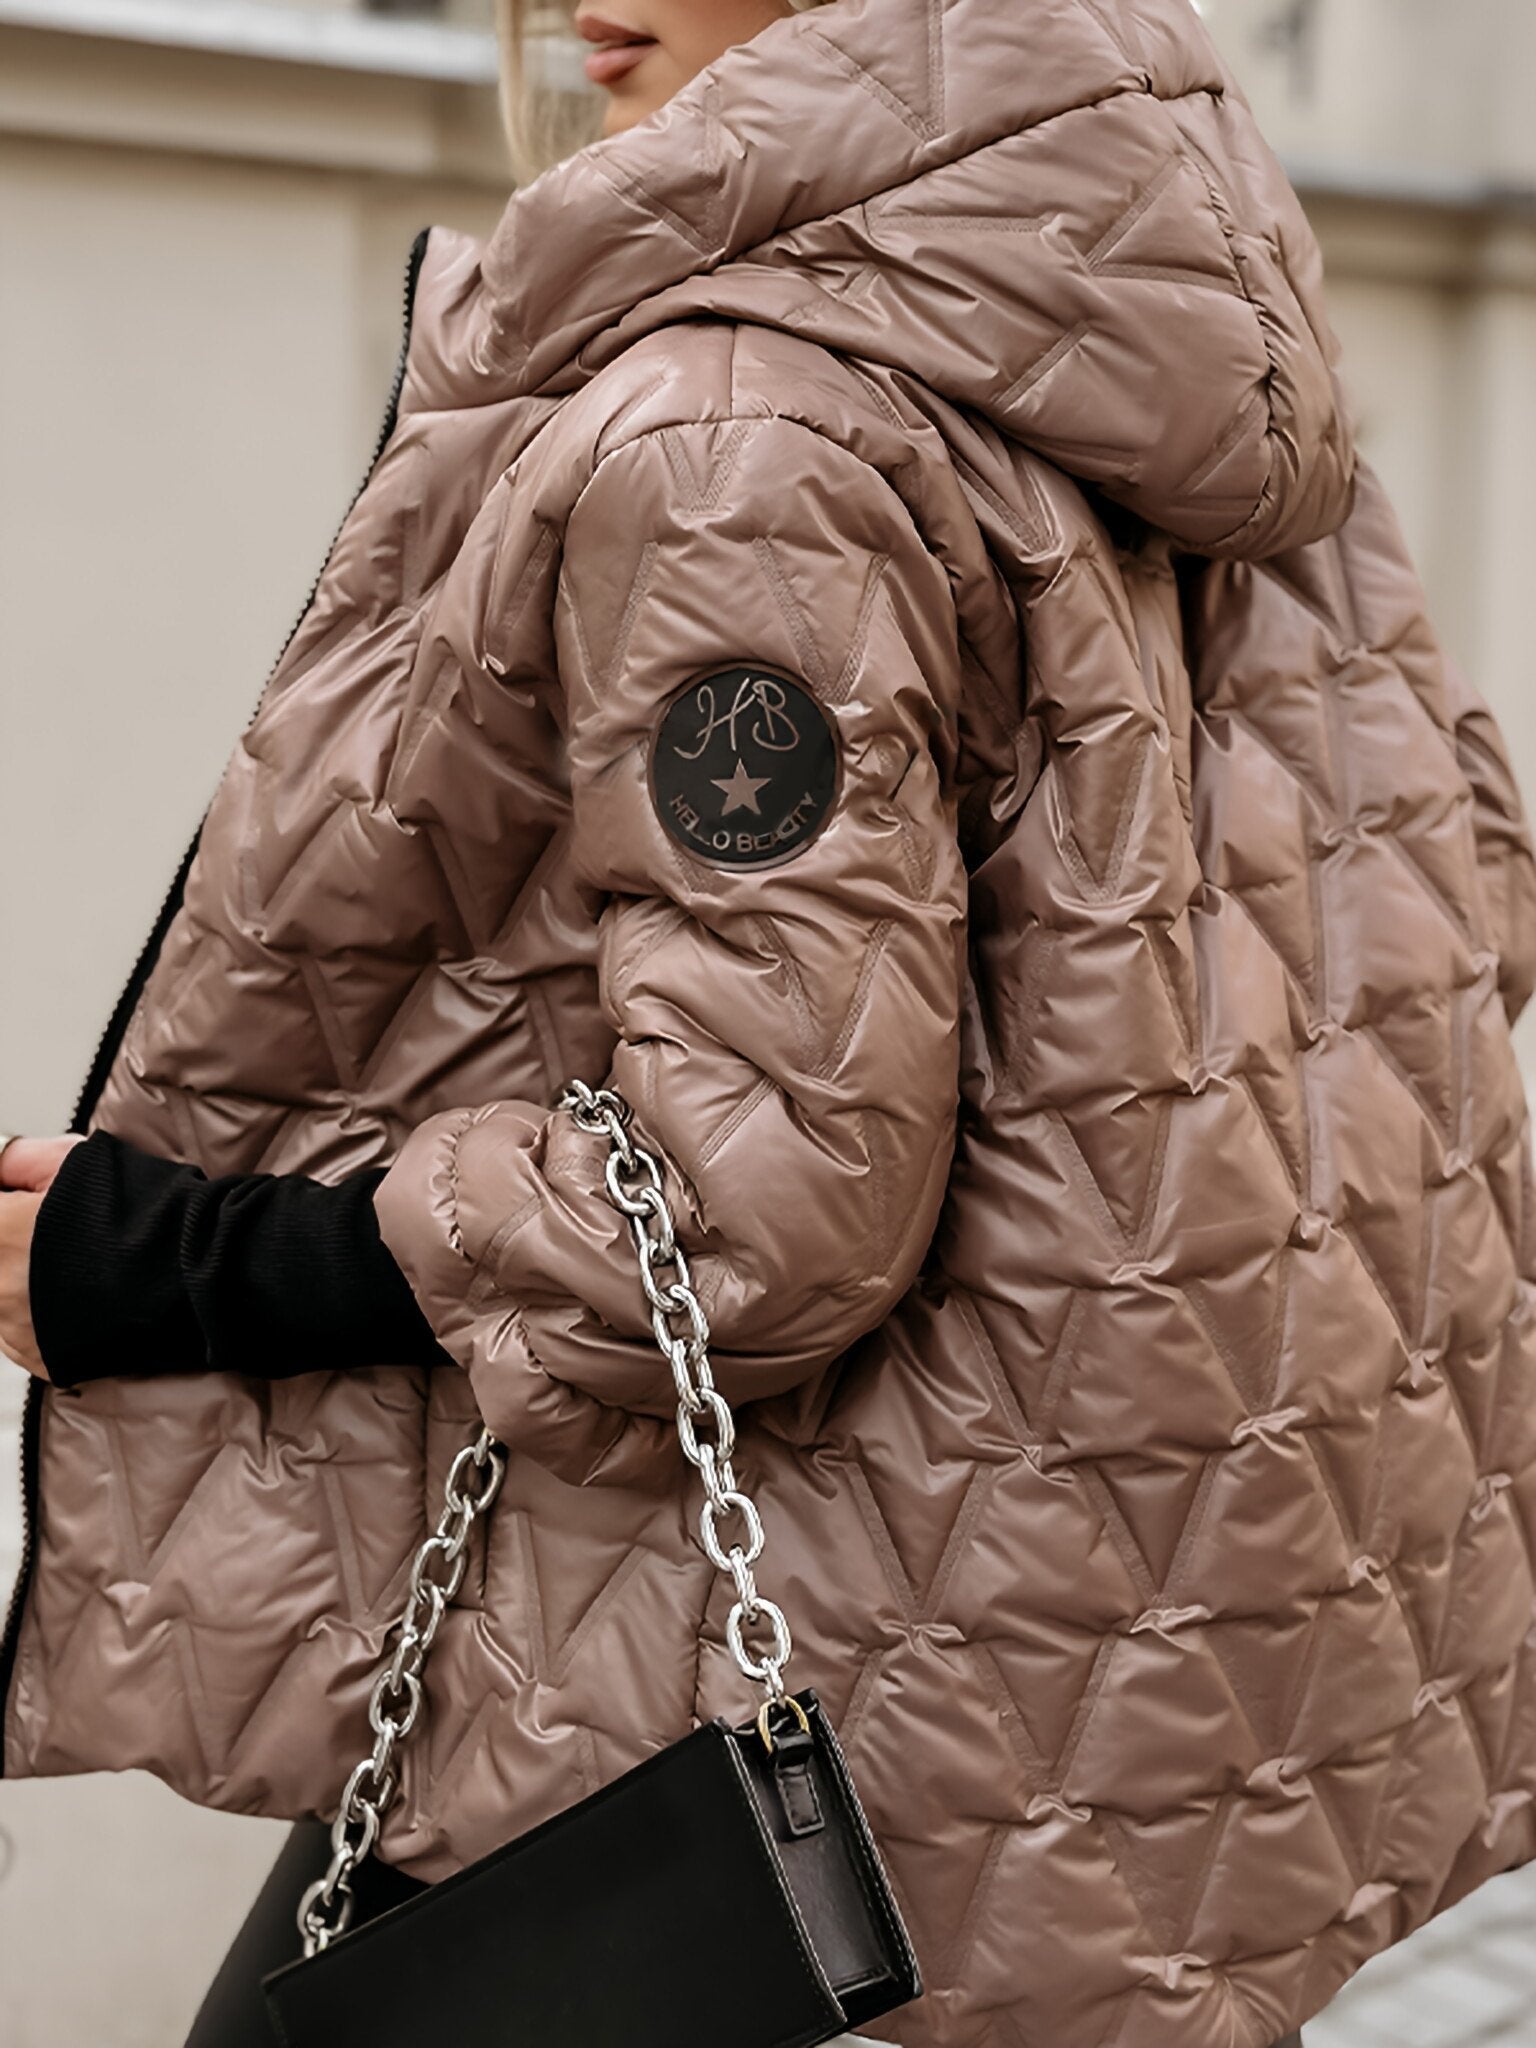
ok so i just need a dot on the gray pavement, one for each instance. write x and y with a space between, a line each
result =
1467 1980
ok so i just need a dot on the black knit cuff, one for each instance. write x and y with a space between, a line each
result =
140 1265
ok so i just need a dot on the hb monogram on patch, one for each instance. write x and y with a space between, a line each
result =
744 766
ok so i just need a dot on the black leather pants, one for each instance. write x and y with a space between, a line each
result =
234 2014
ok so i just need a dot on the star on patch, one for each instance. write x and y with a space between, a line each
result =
769 749
740 789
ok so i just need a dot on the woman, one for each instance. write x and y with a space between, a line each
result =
868 632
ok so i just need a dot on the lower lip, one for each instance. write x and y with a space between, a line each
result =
604 66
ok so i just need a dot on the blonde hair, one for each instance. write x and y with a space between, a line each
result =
547 108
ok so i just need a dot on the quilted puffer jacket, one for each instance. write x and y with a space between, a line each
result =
868 632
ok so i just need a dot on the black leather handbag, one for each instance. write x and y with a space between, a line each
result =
724 1893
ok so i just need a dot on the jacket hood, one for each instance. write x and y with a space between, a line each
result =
1057 213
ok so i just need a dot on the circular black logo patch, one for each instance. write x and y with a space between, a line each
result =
744 766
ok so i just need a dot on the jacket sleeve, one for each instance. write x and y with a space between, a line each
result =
787 1031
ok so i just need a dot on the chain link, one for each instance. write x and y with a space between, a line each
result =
634 1181
437 1572
706 1428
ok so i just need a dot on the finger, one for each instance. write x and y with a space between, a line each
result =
19 1161
29 1165
28 1358
24 1353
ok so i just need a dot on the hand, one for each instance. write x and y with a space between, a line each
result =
29 1164
18 1339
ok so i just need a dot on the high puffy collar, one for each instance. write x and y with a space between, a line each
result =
1056 213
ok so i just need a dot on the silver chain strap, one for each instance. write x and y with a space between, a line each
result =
633 1178
699 1401
437 1572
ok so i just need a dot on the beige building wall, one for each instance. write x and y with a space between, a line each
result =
205 207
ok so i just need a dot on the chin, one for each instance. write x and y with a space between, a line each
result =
624 114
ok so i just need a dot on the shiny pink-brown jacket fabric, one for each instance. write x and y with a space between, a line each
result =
1100 1149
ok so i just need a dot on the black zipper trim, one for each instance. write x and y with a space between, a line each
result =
117 1025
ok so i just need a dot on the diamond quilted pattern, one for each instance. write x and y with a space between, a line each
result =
1100 1153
